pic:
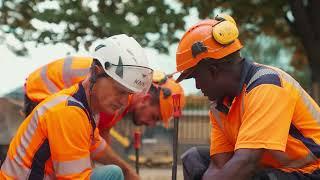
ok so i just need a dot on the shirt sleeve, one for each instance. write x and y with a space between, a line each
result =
268 111
69 132
219 142
98 145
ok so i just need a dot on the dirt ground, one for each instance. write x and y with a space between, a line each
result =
159 173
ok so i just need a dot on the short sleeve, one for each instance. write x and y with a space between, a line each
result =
69 133
98 144
267 115
219 142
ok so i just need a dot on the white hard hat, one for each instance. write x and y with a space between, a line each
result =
124 60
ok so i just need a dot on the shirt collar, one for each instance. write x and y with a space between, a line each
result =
220 105
80 95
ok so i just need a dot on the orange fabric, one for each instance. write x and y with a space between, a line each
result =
202 32
58 133
283 119
166 103
37 90
61 74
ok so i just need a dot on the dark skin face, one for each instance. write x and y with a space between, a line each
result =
215 82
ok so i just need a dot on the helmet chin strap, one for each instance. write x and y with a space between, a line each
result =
93 80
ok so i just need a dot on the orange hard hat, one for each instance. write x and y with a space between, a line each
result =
168 87
211 38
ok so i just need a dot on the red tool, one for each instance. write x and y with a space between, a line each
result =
176 116
137 145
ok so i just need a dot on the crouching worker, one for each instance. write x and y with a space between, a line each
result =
59 139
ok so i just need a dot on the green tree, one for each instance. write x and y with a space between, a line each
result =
157 24
80 22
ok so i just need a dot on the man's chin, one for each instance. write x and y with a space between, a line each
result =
137 123
110 111
211 98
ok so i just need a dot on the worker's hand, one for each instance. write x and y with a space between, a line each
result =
131 175
209 174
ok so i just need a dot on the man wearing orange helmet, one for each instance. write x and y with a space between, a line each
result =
144 109
264 125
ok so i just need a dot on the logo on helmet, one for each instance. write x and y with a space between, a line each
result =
139 83
99 47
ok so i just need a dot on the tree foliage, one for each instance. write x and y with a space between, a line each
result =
80 22
294 23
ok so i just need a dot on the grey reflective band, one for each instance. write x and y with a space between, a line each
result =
68 73
72 167
18 171
307 100
33 125
100 148
52 88
259 73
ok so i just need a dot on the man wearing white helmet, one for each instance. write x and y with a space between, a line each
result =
59 138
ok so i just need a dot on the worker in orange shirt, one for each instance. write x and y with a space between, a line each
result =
155 106
145 109
59 138
264 125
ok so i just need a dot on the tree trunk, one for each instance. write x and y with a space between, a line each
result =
307 25
316 91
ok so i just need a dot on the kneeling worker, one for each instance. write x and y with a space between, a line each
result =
59 137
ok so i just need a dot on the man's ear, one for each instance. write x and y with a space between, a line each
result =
213 69
99 69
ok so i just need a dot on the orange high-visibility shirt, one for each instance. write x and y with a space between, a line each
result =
61 74
56 140
55 76
272 112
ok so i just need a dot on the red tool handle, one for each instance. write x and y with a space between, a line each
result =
176 105
137 139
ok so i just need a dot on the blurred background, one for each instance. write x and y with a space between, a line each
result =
282 33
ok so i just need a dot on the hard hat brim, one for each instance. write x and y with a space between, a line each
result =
185 74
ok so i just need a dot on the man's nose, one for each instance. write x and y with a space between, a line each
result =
123 100
197 83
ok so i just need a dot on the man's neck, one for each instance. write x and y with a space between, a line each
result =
86 85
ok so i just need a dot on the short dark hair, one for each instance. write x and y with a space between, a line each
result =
94 63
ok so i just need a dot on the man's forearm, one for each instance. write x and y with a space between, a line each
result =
241 166
105 134
235 169
110 157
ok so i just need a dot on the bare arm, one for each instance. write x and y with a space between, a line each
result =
219 160
105 134
241 166
108 156
111 157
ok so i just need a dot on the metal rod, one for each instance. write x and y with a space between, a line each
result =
175 148
137 144
137 161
